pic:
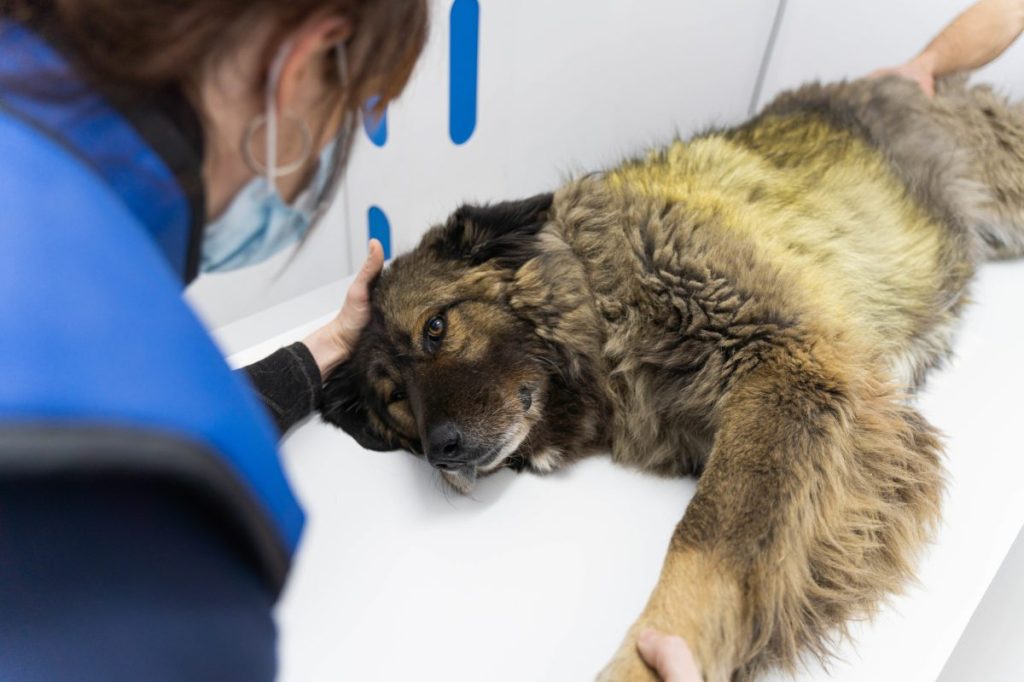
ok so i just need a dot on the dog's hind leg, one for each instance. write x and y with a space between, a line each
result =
990 129
819 491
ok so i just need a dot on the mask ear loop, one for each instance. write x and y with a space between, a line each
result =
270 106
346 133
270 119
342 144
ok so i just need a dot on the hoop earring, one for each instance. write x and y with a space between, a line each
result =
261 169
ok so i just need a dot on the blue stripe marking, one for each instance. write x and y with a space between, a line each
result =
464 56
376 127
380 229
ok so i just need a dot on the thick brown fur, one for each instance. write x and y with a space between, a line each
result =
754 306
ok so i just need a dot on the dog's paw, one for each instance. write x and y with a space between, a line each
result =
627 666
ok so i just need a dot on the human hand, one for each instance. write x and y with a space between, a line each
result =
333 343
669 656
918 70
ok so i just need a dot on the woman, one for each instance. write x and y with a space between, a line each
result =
145 525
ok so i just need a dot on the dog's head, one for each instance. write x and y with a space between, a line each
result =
447 368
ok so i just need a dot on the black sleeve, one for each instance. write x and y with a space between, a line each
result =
289 384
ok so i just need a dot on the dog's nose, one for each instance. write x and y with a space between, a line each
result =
444 446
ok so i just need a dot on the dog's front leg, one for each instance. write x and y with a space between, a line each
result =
819 489
695 599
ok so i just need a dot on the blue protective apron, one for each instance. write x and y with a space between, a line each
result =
103 368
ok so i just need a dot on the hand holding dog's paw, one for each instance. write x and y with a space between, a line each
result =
650 657
669 656
627 666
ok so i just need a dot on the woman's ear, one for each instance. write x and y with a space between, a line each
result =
301 76
307 103
502 231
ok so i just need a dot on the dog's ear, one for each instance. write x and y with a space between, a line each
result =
502 231
345 405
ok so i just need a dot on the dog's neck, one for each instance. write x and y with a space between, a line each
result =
551 291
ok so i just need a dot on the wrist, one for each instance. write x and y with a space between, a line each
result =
327 349
927 63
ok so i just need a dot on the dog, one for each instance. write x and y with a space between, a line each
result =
754 306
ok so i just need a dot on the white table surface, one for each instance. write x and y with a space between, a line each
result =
537 578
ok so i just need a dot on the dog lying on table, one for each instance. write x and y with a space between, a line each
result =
752 306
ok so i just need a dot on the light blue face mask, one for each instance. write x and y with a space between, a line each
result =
259 223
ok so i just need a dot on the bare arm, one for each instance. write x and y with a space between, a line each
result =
976 37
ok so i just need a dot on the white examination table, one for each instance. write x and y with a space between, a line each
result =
537 578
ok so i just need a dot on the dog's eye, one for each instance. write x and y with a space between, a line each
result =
396 397
435 327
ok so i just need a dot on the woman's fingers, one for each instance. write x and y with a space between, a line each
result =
911 71
359 290
669 656
372 265
355 313
358 295
332 344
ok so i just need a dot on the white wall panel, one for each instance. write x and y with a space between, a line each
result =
834 39
564 87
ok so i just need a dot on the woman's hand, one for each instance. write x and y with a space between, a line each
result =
976 37
333 343
669 656
920 70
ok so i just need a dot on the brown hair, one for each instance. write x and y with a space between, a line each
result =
150 44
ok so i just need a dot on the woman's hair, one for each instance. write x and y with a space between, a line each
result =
151 44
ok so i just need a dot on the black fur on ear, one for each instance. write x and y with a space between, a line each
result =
503 231
345 405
